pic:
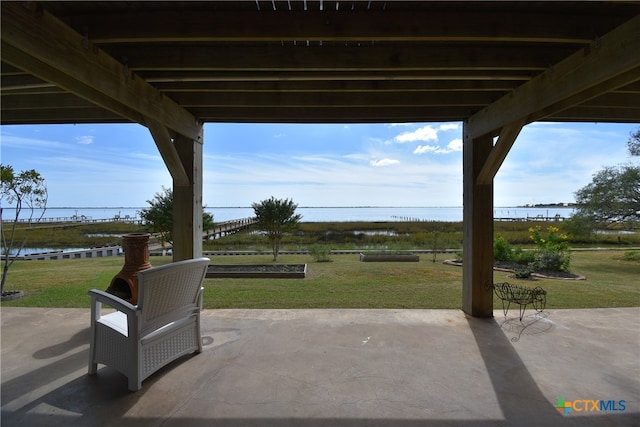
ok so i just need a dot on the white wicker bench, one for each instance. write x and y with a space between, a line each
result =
165 325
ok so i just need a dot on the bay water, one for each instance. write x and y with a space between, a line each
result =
309 214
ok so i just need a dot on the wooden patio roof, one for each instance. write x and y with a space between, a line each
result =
315 61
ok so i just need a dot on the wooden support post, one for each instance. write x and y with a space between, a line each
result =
477 299
187 201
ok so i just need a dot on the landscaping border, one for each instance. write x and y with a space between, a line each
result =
534 274
257 271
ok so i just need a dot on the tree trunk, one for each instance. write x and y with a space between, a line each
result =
5 270
276 248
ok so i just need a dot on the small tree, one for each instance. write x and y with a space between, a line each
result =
159 215
28 191
276 217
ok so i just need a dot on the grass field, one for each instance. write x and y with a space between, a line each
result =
613 280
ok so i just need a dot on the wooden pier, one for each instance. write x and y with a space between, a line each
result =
226 228
542 218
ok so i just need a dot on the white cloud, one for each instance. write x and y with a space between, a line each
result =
8 140
422 149
384 162
84 140
400 124
426 133
449 126
455 144
356 156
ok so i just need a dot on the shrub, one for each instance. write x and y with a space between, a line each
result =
631 256
552 253
502 249
320 253
524 273
523 257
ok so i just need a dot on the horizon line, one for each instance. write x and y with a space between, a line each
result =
557 204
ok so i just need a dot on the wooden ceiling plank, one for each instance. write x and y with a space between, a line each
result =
327 114
37 42
337 58
333 76
184 25
616 54
377 86
24 82
60 115
604 115
344 99
42 101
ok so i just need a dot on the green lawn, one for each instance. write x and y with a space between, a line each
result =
343 283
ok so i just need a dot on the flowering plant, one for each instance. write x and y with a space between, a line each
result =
552 253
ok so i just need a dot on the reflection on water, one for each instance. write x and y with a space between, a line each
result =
377 232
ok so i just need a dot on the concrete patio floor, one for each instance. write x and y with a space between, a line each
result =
336 367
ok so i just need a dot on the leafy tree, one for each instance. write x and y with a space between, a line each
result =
276 217
614 193
580 226
159 215
28 191
633 144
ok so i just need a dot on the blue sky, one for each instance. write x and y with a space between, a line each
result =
418 164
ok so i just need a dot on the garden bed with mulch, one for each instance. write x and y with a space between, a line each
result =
514 266
262 271
388 257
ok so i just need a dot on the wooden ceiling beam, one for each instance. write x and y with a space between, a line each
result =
314 115
191 24
61 115
346 99
615 100
337 58
35 41
377 86
24 82
604 115
499 152
333 76
42 101
169 153
366 114
604 66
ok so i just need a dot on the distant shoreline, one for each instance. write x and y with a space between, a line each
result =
534 206
318 214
